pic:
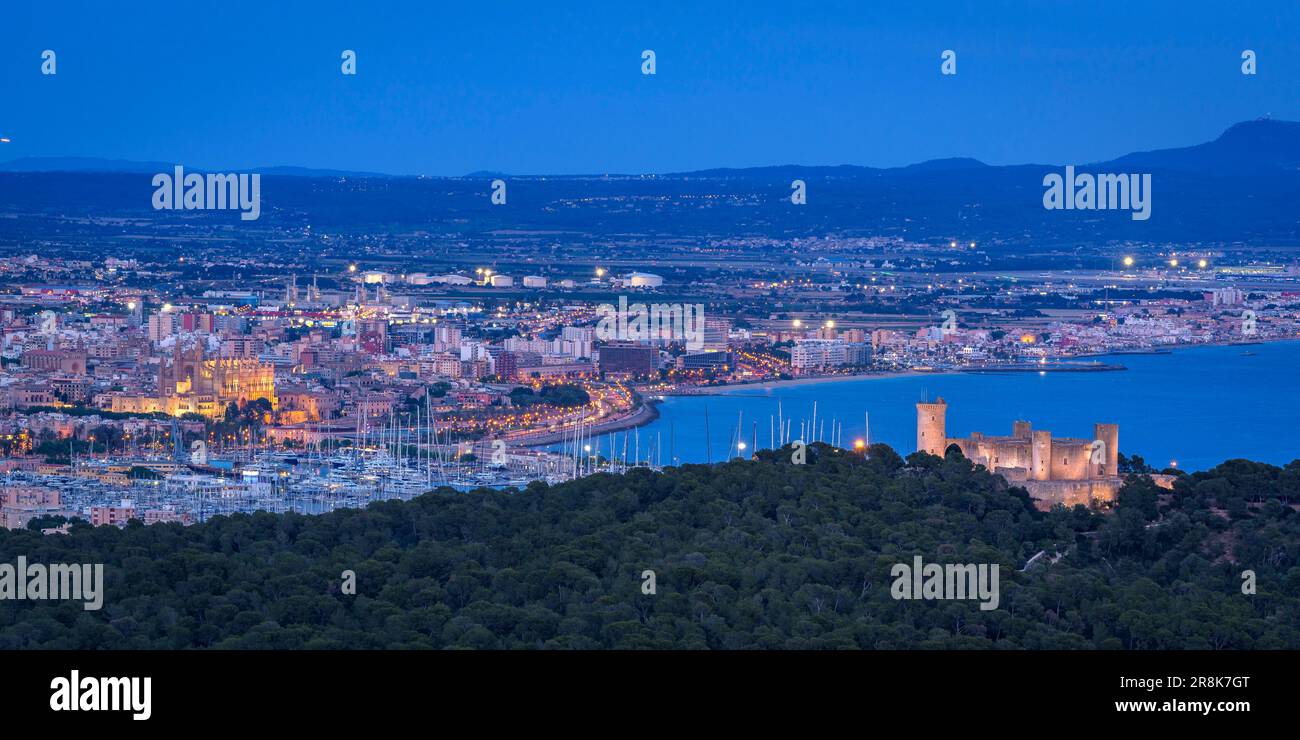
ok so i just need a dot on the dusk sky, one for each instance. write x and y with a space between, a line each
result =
533 88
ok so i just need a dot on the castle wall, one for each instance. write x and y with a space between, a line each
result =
1068 493
1070 459
1011 453
1013 475
995 452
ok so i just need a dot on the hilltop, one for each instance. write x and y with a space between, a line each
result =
746 554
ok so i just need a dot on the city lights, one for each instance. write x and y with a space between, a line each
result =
482 440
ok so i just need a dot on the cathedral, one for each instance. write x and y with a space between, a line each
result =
188 382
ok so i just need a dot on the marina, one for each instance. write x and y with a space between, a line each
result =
390 463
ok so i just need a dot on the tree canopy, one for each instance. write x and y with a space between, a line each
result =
749 554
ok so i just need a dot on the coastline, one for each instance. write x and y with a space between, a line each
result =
1171 349
644 414
648 412
1195 408
723 390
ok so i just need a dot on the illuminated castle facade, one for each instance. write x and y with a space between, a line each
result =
1055 470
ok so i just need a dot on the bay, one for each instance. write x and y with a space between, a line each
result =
1196 406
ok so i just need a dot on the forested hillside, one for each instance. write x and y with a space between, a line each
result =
753 554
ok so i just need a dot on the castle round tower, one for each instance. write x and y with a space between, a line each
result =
1109 435
932 427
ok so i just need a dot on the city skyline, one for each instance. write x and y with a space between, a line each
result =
344 340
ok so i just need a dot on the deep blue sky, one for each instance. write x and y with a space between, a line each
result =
548 87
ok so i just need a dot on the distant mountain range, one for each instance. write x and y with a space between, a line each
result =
95 164
1242 188
1262 144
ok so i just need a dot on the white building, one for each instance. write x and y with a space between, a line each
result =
817 354
1227 297
645 280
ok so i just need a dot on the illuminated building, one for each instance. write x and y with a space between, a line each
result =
190 383
645 280
1056 470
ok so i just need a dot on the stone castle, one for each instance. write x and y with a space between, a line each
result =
1058 470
